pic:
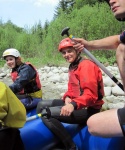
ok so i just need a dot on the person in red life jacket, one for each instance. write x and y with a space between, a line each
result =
26 83
82 99
114 118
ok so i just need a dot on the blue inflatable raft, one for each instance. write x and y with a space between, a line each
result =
36 136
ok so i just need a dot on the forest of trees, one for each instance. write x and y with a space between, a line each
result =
86 18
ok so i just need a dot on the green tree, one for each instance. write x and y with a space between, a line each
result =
38 29
65 6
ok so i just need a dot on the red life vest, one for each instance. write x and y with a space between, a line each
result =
14 76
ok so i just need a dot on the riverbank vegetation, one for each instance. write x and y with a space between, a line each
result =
39 44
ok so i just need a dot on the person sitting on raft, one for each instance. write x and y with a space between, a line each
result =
26 83
82 99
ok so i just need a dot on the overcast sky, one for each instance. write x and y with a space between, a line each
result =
27 12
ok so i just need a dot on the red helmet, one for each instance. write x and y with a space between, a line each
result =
65 43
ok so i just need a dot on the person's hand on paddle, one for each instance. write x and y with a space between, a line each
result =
67 110
79 44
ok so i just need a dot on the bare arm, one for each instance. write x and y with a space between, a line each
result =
110 42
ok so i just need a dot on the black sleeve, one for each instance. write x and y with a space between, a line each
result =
74 104
122 37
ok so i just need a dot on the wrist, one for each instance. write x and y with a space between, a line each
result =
74 104
67 97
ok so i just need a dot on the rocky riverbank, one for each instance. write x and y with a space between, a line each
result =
54 84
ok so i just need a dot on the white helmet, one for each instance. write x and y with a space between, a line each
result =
11 52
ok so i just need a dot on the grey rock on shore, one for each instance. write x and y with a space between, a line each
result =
54 84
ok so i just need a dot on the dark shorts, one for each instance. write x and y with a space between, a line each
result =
121 117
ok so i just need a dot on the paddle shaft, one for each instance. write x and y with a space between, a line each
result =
103 68
33 117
